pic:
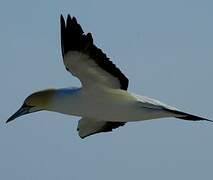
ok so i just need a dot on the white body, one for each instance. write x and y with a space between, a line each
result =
107 104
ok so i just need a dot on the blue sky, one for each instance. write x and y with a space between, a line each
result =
166 50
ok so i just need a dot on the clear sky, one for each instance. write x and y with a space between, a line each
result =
164 47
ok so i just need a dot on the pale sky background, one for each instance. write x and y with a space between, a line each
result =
166 50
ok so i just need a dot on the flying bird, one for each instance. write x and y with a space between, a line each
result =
103 102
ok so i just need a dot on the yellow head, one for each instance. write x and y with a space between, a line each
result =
40 99
35 102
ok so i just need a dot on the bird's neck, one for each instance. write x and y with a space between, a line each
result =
64 100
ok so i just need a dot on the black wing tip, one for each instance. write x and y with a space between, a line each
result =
71 34
190 117
62 21
187 116
194 118
68 17
61 17
209 120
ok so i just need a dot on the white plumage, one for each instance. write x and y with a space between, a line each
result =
103 102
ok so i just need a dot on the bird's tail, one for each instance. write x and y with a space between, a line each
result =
186 116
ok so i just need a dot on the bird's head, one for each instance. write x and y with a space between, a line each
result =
35 102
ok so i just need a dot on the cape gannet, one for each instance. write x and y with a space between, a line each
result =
103 102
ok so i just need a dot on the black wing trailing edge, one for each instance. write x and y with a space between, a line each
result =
74 39
108 127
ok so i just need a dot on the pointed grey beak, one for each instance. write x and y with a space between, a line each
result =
22 111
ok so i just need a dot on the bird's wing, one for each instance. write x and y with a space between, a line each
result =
149 103
88 126
85 61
